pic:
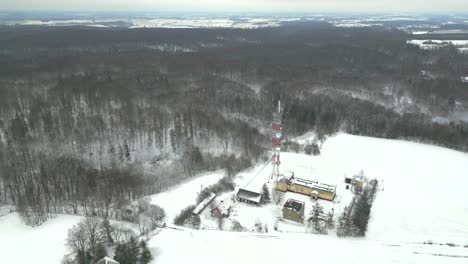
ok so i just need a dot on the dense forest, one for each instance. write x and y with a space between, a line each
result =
92 119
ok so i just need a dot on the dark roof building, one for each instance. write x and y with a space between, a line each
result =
247 196
293 210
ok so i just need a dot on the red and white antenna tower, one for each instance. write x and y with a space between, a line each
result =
276 139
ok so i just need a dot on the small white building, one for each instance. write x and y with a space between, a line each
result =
223 209
201 206
107 260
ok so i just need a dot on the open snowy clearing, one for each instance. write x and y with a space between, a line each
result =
431 44
45 244
185 194
421 199
422 188
202 246
202 22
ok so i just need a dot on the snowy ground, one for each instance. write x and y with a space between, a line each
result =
185 194
430 44
421 199
172 246
45 244
201 22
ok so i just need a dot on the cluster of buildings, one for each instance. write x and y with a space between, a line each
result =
287 182
293 210
314 189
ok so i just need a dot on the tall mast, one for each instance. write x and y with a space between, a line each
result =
276 139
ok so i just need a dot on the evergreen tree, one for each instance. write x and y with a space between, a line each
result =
127 253
133 251
329 221
265 194
145 256
18 128
83 257
99 252
316 219
107 230
344 227
121 253
127 150
361 214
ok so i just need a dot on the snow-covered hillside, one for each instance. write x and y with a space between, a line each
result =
181 196
421 199
207 247
423 196
45 244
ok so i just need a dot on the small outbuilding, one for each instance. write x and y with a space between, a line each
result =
293 210
107 260
247 196
223 209
203 204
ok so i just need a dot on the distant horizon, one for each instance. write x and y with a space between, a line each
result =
316 13
242 6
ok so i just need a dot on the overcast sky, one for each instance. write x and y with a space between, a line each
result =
242 5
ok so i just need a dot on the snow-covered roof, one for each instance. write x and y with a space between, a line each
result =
204 204
107 260
223 207
314 184
284 180
249 195
294 205
287 174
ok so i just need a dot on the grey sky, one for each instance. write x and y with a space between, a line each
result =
242 5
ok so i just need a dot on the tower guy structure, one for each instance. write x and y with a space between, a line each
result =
276 139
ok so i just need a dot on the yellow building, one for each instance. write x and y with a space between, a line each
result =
314 189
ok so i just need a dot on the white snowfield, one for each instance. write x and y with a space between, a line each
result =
431 44
213 247
20 244
424 187
201 22
183 195
422 198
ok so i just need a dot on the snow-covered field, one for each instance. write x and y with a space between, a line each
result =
429 44
422 198
182 22
207 247
45 244
423 195
183 195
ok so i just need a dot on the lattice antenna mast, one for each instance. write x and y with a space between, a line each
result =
276 140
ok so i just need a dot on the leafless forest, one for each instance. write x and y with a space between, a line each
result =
92 119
